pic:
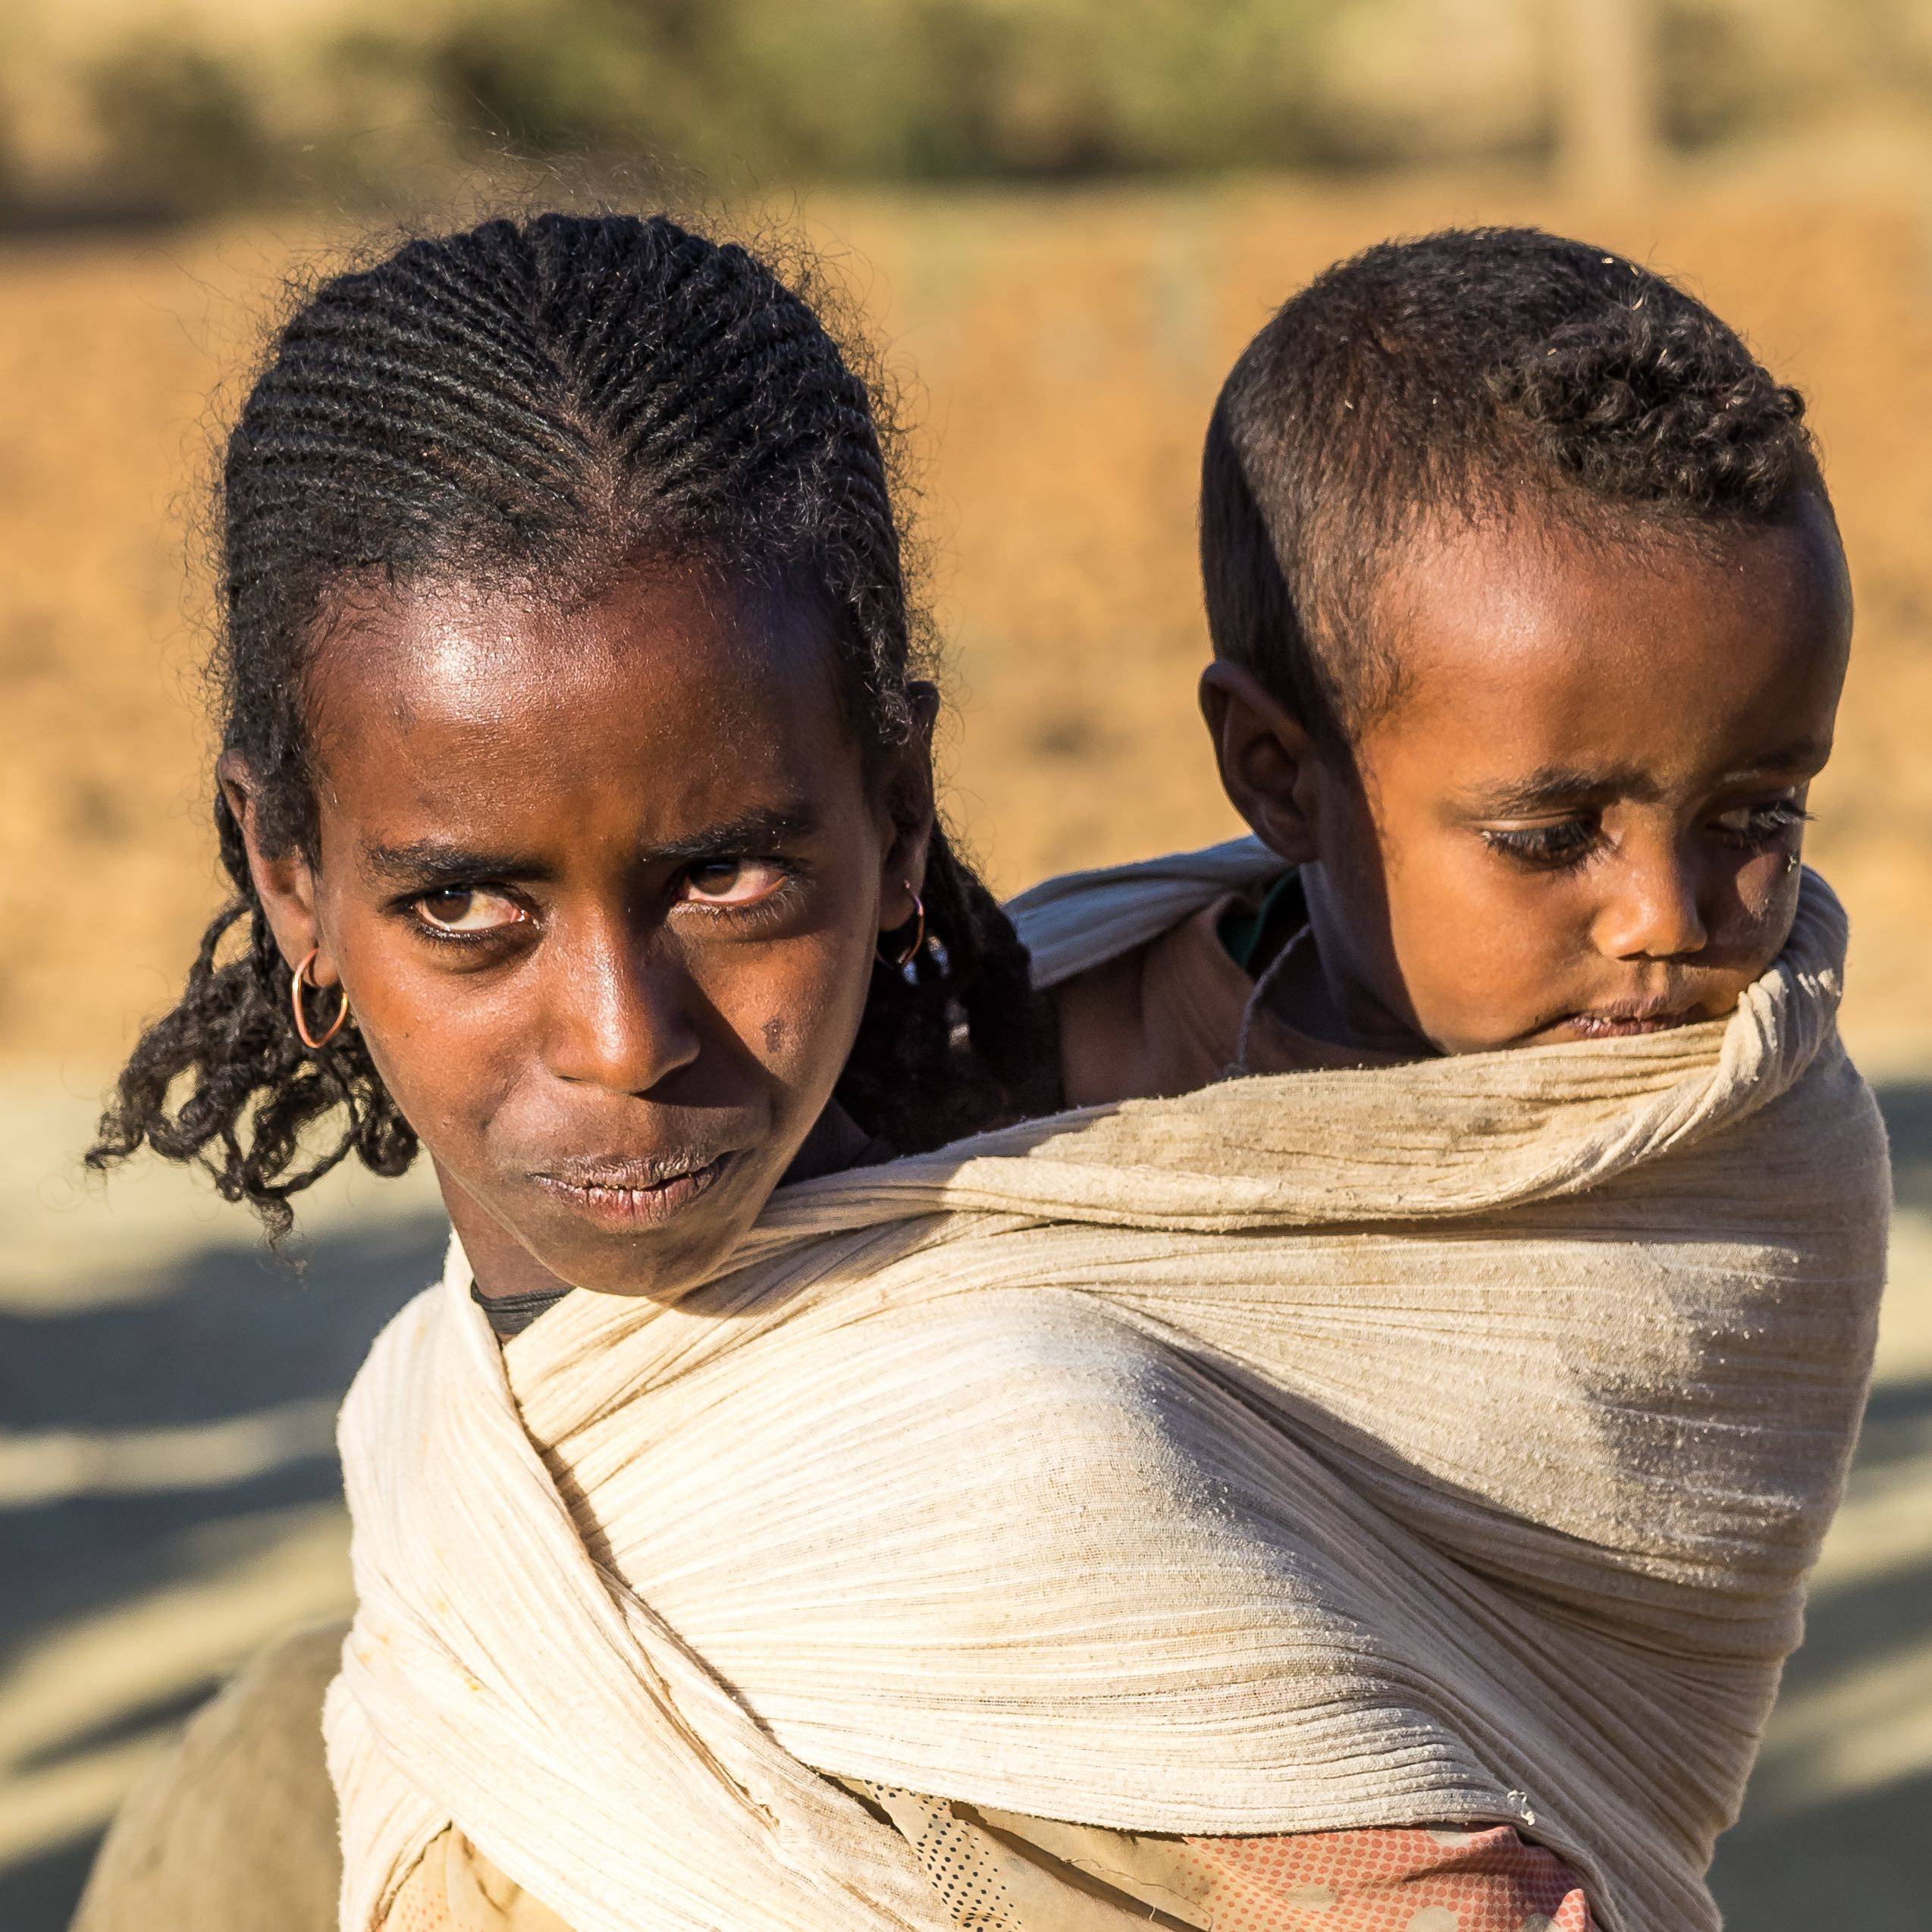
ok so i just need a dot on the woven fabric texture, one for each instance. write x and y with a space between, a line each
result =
1443 1443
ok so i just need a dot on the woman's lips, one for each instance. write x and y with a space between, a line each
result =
621 1197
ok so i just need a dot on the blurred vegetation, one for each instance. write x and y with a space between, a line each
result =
897 90
171 112
347 104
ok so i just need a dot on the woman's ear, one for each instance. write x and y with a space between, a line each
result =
1270 765
911 813
284 881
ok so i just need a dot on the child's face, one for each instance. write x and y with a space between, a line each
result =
1582 815
604 885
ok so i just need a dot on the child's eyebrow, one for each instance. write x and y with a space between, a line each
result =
1553 786
1805 755
1560 785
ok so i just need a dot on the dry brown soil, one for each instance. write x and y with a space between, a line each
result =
1064 350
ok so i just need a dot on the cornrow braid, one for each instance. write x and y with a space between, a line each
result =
538 395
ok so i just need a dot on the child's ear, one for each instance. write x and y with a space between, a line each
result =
1268 760
283 883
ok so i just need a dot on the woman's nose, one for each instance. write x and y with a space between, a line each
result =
1653 908
622 1011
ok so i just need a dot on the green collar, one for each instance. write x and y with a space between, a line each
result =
1281 913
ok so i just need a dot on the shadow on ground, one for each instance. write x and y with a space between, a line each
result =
229 1335
1809 1854
233 1333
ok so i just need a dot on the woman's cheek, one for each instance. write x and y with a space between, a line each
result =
441 1056
796 1009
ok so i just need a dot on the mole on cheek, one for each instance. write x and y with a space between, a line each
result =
774 1034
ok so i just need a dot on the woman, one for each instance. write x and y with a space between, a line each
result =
576 786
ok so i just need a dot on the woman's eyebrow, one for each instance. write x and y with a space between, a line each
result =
416 859
764 826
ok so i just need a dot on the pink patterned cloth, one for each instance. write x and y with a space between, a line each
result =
1483 1879
997 1871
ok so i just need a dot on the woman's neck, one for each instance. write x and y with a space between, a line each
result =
836 1142
499 1263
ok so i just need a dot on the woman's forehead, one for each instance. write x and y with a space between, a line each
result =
664 690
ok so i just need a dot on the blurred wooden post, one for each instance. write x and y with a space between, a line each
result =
1603 96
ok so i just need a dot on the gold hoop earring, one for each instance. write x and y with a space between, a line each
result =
296 985
904 958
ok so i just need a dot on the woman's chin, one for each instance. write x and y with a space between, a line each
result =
607 1240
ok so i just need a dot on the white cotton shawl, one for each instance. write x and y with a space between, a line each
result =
1438 1443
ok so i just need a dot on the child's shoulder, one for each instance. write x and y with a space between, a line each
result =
1161 1018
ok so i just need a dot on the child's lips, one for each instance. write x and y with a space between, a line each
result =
1619 1023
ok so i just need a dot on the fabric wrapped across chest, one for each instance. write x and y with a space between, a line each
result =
1442 1443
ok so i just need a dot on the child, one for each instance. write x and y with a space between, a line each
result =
1530 620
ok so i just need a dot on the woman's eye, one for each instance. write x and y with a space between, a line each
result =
733 882
1761 824
467 909
1562 842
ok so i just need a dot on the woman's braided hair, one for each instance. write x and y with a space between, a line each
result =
536 396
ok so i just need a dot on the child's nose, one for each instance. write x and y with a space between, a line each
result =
1652 910
620 1009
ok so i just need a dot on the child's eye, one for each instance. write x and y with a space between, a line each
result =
1752 826
467 910
1550 848
734 882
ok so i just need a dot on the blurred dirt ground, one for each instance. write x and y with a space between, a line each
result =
1064 350
167 1494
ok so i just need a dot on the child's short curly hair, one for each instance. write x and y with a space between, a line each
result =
1472 373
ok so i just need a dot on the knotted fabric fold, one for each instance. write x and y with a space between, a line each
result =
1436 1443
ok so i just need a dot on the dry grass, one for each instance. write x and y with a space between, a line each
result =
1066 349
